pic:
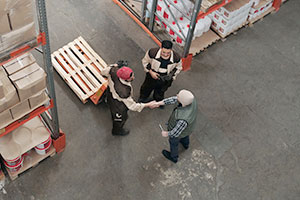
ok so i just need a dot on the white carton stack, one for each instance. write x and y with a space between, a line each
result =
169 23
259 8
16 22
22 88
230 17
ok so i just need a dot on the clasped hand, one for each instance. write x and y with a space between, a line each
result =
154 104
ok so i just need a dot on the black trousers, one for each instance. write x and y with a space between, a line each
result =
118 112
174 145
159 87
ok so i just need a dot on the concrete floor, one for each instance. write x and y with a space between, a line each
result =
246 146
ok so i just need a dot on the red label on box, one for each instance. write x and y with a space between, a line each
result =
158 8
179 40
172 32
166 15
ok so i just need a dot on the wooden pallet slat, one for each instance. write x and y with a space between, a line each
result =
86 62
86 81
102 62
92 58
204 41
31 160
76 77
80 67
67 78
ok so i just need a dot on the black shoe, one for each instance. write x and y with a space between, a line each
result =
185 147
121 133
167 154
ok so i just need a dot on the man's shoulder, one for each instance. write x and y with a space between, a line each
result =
152 52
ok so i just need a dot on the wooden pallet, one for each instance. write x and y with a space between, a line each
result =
223 36
203 42
260 17
80 66
31 160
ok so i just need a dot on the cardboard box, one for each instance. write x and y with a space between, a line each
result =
5 118
21 14
29 81
4 23
19 63
10 95
1 90
38 99
20 110
17 37
2 72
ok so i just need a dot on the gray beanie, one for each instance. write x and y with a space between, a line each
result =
185 97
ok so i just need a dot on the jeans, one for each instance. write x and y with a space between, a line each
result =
174 141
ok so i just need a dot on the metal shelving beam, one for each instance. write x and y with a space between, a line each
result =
41 7
192 28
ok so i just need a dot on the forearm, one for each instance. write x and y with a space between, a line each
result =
170 100
177 130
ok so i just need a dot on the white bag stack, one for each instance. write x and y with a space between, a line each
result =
181 9
230 17
260 8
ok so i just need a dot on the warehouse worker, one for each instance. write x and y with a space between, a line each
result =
161 65
119 96
181 122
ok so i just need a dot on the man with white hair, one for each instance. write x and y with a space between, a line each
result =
181 122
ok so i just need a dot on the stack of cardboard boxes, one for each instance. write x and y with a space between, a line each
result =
22 88
230 17
16 22
259 8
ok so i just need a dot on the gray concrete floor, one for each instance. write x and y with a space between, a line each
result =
247 142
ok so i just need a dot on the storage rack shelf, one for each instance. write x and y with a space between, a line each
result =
25 119
49 111
31 160
189 48
22 48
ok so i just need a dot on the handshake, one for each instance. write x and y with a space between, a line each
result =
154 104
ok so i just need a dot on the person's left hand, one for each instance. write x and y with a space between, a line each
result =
165 133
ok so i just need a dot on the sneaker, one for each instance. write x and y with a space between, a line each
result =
167 155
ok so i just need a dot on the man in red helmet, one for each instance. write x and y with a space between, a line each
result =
119 96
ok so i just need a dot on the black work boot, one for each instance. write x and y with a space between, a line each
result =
185 146
123 132
167 155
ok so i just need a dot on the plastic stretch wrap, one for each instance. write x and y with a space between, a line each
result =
17 22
